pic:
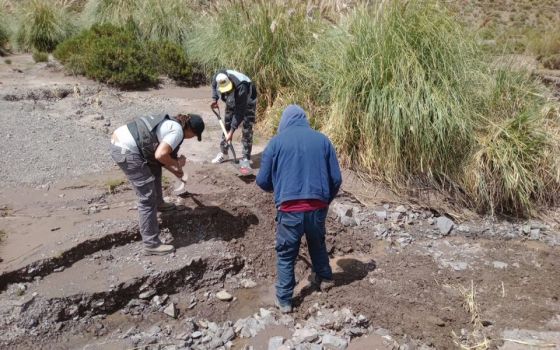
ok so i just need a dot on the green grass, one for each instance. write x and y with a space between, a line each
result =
400 81
113 184
259 38
116 12
42 25
6 28
514 168
109 54
39 56
165 20
407 96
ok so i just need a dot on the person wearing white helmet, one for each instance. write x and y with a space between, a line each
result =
240 96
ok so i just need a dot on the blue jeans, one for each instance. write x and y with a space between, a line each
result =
289 230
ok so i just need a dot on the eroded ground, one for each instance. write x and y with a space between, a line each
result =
72 274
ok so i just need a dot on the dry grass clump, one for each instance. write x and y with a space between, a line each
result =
256 37
42 25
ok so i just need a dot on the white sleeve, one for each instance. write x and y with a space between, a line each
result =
170 132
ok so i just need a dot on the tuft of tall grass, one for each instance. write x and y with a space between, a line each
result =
4 35
42 25
515 166
116 12
401 79
165 20
256 37
406 95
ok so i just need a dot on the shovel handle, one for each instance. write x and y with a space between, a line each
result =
229 145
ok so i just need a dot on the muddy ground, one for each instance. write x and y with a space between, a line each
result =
72 274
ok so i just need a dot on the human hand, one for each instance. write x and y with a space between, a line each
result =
214 105
229 136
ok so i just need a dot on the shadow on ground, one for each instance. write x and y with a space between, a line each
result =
351 270
207 222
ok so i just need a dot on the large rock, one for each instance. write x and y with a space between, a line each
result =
345 213
224 296
275 343
333 342
305 335
444 225
171 310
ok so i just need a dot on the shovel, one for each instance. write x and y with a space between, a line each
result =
244 170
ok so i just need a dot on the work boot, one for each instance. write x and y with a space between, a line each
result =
321 284
220 158
161 249
285 309
166 206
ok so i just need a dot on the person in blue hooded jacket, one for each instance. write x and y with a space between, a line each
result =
300 166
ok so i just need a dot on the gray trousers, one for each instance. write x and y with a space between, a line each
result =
146 181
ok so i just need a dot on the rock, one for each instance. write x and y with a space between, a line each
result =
248 283
196 335
333 342
250 328
305 335
345 213
535 234
59 269
159 300
458 265
264 313
444 224
228 334
275 342
182 336
215 343
206 339
401 209
381 214
147 294
396 216
170 310
499 265
153 331
224 296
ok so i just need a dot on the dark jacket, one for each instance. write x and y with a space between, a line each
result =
299 162
243 96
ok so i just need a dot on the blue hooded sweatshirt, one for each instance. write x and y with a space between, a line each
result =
299 162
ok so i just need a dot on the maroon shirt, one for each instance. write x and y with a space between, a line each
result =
302 205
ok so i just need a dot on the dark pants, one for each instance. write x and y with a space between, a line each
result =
290 229
146 181
247 131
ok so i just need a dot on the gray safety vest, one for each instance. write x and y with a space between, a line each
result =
143 130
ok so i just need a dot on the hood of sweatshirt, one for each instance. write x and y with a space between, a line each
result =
293 115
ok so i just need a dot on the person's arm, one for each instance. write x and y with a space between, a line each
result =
264 177
335 177
215 95
163 155
240 110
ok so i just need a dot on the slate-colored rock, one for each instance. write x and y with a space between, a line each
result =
444 225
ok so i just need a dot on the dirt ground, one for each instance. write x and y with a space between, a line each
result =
72 273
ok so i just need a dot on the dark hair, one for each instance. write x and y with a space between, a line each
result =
184 120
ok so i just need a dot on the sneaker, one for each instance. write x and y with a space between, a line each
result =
166 206
285 309
321 284
220 158
161 249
